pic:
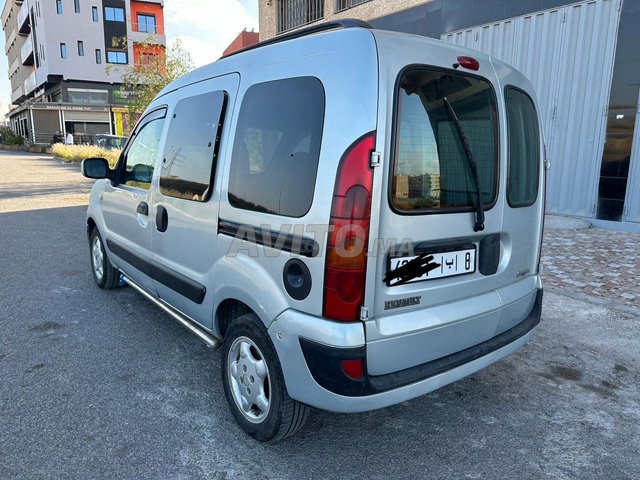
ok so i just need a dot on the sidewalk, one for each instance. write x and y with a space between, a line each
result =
592 261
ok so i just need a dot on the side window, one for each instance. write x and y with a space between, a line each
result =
141 155
524 149
277 147
191 148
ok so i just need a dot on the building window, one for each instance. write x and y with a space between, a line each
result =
116 57
295 13
59 7
88 96
80 48
146 23
98 56
63 50
114 14
76 6
147 58
346 4
94 13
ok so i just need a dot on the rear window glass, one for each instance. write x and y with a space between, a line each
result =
431 171
277 147
524 148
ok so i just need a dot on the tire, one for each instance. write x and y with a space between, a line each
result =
104 274
246 350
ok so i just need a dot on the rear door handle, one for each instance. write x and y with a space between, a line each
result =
162 219
143 208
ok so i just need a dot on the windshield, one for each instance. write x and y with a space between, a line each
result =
431 168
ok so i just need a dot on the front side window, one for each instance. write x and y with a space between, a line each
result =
114 14
80 48
94 13
98 56
116 57
146 23
59 7
277 147
188 162
76 6
431 171
142 154
524 148
63 50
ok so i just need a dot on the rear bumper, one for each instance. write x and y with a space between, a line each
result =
311 349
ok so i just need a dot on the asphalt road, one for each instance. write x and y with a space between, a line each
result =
100 384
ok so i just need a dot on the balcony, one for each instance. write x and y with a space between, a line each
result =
26 52
10 39
145 33
15 64
30 83
16 94
24 23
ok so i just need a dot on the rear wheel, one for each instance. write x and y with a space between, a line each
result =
104 274
254 383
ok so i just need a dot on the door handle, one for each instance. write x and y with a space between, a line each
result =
162 219
143 208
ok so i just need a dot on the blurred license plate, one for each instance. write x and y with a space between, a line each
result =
450 264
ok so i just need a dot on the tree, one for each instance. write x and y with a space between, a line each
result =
155 68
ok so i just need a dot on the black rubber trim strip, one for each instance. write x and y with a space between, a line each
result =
282 37
176 281
269 238
324 361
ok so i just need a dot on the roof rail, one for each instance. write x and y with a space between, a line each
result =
303 32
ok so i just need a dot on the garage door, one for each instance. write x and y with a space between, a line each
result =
568 55
89 117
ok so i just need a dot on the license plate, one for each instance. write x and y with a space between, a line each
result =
450 264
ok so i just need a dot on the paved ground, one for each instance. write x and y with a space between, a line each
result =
594 262
100 384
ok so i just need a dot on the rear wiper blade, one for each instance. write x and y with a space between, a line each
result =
473 166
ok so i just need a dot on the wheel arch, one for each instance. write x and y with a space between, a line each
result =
227 311
91 224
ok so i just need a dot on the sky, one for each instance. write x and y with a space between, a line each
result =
206 28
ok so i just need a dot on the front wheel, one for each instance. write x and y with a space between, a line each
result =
104 274
254 383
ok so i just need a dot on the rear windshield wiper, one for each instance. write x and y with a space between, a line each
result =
473 166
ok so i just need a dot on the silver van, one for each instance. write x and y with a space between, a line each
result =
355 215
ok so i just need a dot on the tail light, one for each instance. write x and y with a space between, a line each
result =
346 259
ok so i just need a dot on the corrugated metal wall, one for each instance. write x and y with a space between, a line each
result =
568 55
632 200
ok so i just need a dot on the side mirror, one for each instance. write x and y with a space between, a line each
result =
96 168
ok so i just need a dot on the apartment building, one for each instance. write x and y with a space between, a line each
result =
66 60
583 57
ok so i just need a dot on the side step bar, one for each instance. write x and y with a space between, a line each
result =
186 322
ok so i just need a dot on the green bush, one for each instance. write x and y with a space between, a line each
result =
7 137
